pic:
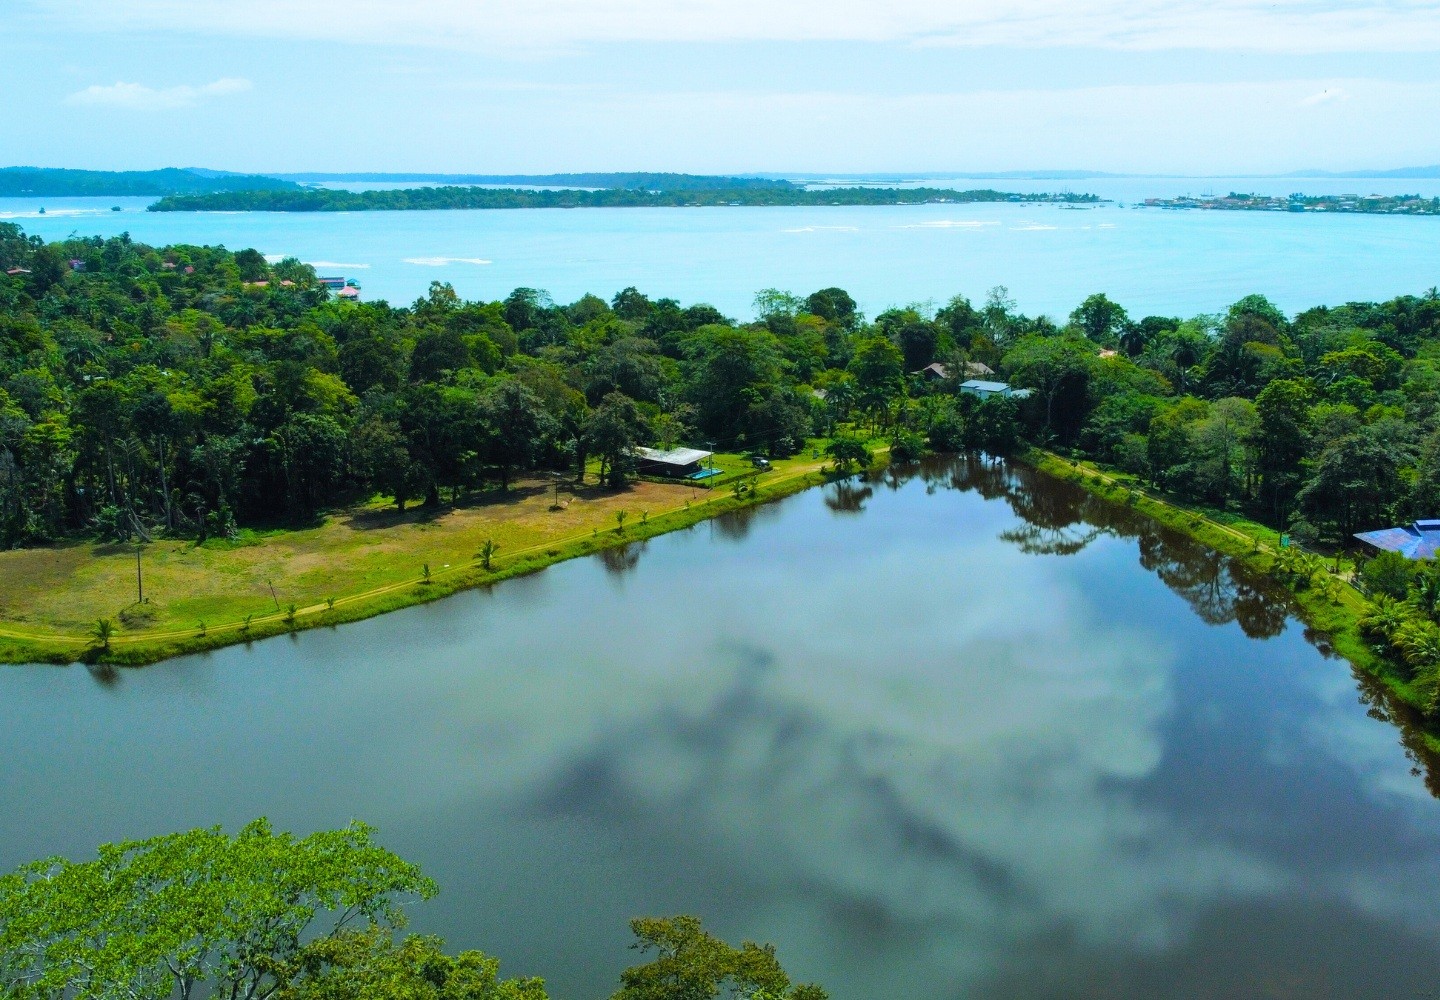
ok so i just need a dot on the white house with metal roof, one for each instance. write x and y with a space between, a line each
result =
983 389
674 463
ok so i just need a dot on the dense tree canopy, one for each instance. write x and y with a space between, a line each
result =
194 391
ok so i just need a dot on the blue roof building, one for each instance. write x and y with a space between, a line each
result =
1418 540
985 389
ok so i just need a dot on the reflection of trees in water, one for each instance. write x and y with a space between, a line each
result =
622 558
848 496
1057 521
1032 539
1383 706
736 524
1061 518
1215 586
104 674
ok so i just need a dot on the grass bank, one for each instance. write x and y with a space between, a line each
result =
1331 606
359 563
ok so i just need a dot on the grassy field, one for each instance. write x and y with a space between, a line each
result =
360 562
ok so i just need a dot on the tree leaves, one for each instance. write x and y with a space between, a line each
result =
189 910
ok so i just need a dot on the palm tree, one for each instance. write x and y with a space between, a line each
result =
1185 355
1132 339
1419 642
102 632
1385 618
1425 591
486 552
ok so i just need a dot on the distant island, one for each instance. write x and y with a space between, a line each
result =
1375 204
412 199
50 182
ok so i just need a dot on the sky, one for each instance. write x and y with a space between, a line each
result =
1217 87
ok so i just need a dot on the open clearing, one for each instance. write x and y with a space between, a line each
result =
366 559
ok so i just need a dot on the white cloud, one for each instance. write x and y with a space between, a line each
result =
138 97
1241 25
1187 128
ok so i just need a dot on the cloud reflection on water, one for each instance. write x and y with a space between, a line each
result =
970 786
916 748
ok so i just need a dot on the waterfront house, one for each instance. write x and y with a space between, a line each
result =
674 463
1417 540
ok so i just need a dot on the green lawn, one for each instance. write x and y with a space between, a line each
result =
359 562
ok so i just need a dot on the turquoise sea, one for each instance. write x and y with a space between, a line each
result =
1049 257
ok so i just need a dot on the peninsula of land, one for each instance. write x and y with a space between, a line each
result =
460 197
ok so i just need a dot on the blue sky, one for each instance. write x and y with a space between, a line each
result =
1228 86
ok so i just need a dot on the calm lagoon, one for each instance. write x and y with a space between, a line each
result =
958 730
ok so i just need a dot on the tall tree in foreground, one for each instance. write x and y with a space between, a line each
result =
203 915
193 914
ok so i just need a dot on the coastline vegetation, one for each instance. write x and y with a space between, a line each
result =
279 459
453 197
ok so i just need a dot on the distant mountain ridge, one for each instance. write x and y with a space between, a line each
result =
59 182
626 181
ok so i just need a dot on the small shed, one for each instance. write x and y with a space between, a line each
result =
1417 540
675 463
